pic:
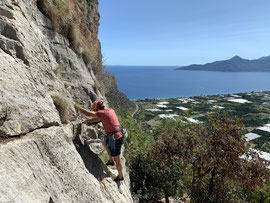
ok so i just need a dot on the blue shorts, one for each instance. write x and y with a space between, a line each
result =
118 145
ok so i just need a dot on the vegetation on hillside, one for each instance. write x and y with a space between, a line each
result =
202 162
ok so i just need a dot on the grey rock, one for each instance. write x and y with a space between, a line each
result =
93 137
29 57
6 13
27 107
45 165
48 165
45 153
10 32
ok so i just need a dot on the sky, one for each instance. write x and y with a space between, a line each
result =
183 32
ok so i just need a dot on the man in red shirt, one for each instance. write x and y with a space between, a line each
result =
114 138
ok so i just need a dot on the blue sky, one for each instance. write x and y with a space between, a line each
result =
183 32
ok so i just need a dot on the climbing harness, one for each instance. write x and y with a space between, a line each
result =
111 138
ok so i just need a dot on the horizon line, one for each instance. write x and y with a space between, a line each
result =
265 56
148 65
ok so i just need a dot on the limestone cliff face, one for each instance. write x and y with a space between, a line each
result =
45 154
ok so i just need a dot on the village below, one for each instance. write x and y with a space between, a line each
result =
252 108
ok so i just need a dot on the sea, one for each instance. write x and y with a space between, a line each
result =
141 82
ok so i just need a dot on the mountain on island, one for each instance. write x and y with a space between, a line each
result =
235 64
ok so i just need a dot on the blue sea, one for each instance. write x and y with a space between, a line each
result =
140 82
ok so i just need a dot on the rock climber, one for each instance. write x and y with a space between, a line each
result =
114 139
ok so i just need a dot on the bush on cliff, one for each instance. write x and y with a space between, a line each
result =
63 105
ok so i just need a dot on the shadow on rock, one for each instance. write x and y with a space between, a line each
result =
91 161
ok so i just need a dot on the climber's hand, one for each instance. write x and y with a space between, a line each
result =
84 120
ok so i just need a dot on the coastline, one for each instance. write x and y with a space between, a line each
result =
165 82
202 95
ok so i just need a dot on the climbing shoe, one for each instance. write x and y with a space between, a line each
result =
117 179
110 163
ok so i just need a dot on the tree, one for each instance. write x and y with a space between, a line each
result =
212 157
153 178
261 194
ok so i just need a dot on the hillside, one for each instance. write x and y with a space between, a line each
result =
50 56
235 64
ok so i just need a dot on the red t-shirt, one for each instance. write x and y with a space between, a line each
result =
109 121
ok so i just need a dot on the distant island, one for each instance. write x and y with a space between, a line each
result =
235 64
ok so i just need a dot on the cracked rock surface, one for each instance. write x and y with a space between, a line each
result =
31 57
47 164
44 155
